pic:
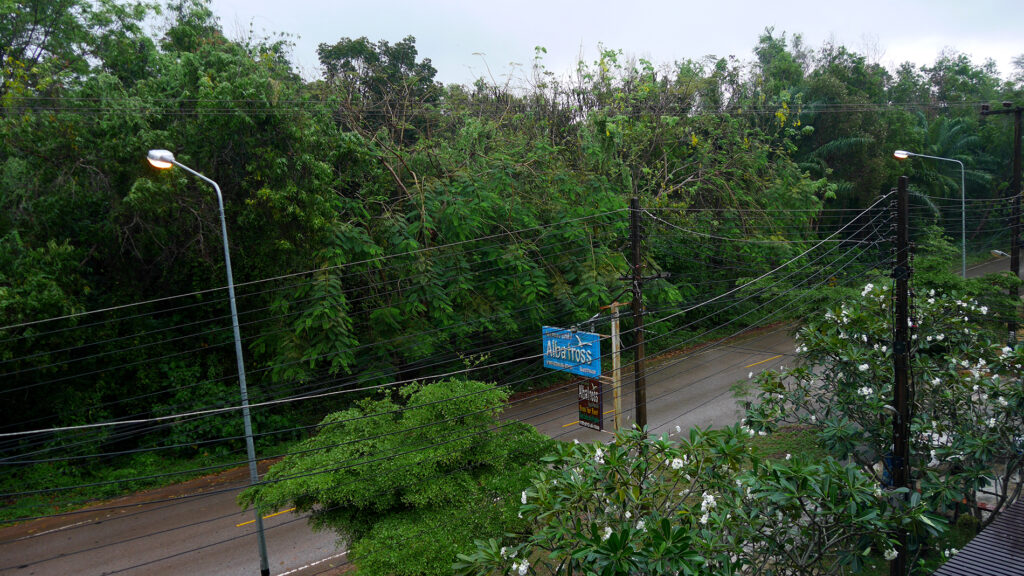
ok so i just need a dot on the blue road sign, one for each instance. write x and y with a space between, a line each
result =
571 351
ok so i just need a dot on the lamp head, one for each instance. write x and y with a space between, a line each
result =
901 154
161 159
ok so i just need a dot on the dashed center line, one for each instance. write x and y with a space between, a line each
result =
265 517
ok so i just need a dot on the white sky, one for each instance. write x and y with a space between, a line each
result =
449 32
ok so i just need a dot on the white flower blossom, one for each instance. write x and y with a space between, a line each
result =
991 422
598 457
704 519
788 456
865 391
641 526
607 533
863 367
521 567
984 309
628 514
891 554
504 552
677 463
523 497
1007 350
1002 401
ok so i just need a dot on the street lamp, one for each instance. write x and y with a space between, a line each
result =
902 155
164 159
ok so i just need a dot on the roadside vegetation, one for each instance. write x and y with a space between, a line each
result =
395 238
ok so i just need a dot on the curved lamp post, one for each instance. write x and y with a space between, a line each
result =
902 155
164 159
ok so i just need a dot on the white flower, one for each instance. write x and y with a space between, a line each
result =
863 367
607 533
991 422
936 381
504 552
984 309
878 491
891 554
788 456
762 433
678 429
640 526
523 497
949 552
1002 401
940 337
1007 350
677 463
575 441
598 457
751 375
704 518
708 502
522 567
867 289
814 418
865 391
628 514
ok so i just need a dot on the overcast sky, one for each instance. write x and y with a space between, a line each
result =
463 38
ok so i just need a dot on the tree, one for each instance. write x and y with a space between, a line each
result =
967 396
699 504
409 478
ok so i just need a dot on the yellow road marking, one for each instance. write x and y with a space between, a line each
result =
265 517
763 361
570 424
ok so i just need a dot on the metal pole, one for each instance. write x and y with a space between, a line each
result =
616 366
963 207
963 223
901 364
639 377
250 448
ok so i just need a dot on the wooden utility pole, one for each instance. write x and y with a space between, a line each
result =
899 471
639 376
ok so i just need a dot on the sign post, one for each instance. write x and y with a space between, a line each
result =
572 351
578 353
591 404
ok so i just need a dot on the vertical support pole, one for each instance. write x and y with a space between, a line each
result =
1015 225
901 364
616 366
250 449
639 366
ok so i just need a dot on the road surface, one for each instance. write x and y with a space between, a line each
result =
206 533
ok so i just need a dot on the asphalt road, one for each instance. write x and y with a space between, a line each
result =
205 533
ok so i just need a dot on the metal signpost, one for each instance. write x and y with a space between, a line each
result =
572 351
578 353
591 404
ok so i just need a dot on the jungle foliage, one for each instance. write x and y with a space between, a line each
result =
385 227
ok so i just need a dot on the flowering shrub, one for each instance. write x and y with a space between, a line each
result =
697 504
966 395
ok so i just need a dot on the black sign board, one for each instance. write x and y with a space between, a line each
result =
591 404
